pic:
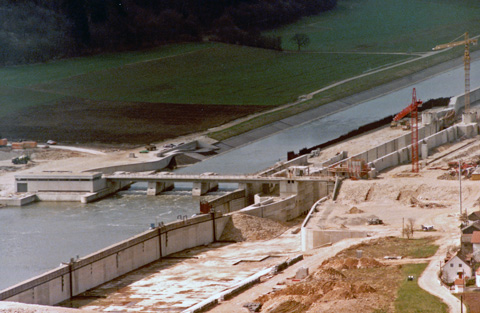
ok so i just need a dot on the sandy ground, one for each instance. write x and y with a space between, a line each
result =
394 197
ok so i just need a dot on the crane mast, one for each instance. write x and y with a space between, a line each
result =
466 60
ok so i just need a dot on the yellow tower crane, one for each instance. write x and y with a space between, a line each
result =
466 60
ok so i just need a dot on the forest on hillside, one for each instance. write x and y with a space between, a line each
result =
41 30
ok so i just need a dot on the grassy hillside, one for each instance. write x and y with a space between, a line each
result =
386 25
356 38
220 74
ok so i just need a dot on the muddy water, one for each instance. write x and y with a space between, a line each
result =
38 237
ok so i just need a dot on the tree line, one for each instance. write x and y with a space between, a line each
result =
41 30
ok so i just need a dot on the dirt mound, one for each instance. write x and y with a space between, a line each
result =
328 273
369 263
244 227
363 288
355 210
339 294
351 263
288 305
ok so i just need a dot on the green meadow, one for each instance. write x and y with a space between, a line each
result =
412 298
386 25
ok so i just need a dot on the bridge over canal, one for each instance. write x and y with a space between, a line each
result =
206 182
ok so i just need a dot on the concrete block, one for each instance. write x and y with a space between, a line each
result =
469 118
302 273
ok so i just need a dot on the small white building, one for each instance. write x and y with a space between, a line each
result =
59 182
456 267
476 245
477 277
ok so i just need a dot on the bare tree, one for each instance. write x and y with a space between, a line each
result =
301 40
409 228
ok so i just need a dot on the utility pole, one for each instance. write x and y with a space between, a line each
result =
460 185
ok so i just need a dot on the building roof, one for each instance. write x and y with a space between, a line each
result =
474 216
461 256
475 237
471 228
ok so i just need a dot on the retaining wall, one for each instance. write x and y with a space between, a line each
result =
231 202
301 160
398 150
93 270
432 141
339 157
458 102
20 201
313 238
136 167
279 210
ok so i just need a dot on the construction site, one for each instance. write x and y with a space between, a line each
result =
377 184
333 229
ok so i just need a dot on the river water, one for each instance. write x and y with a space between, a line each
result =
38 237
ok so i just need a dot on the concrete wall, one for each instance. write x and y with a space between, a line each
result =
100 267
230 202
281 210
18 201
458 102
136 167
340 156
62 185
314 238
295 199
301 160
434 140
398 151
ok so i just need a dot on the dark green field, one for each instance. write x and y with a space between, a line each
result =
148 96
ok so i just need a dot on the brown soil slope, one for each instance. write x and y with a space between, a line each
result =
85 121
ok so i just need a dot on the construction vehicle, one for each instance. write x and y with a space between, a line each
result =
374 221
23 159
466 61
150 147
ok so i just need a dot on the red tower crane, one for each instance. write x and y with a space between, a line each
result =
414 124
413 110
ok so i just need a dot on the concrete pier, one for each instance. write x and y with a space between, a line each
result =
154 188
199 188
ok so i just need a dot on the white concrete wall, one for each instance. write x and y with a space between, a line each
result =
458 102
434 140
314 238
230 202
281 210
85 186
136 167
18 201
340 156
301 160
51 287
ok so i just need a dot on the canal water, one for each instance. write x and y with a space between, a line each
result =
38 237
